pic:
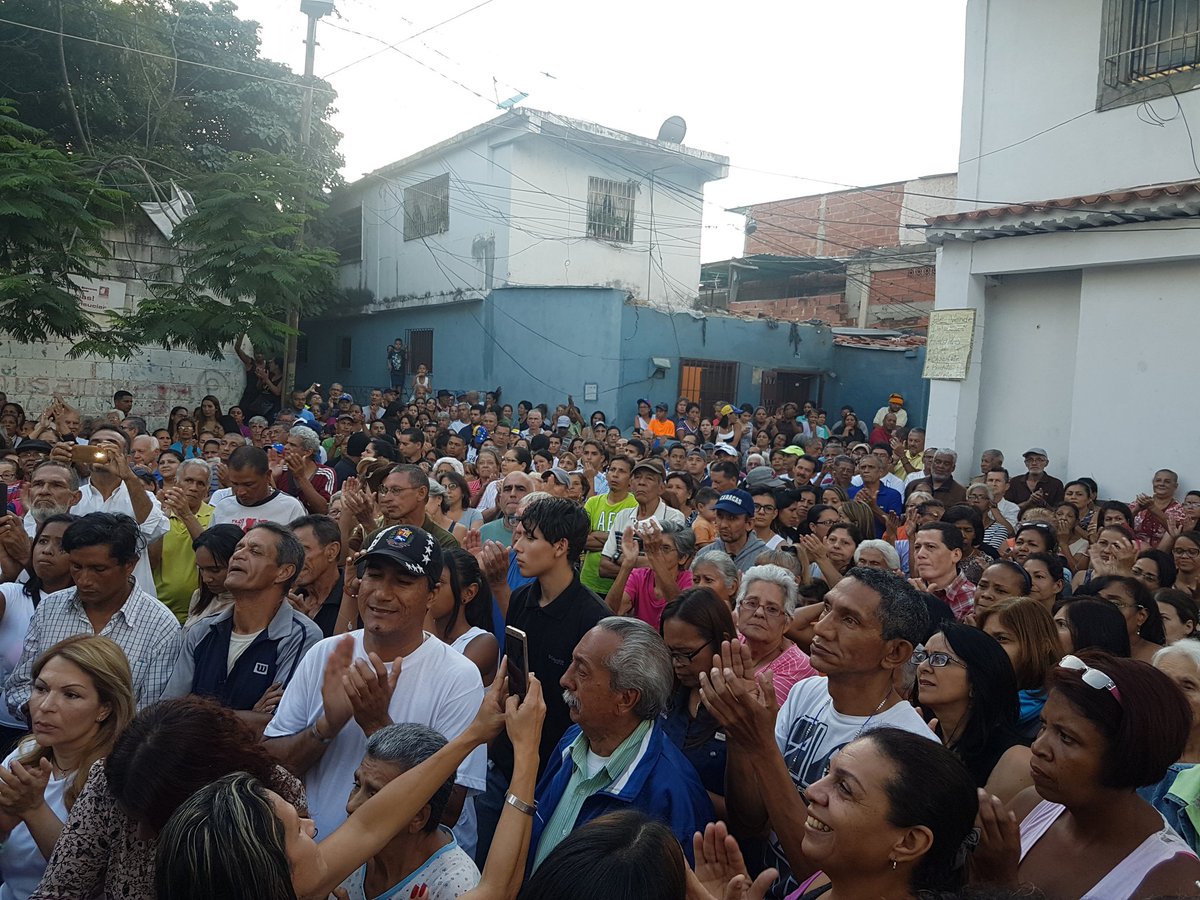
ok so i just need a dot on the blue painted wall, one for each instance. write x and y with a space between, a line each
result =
866 377
542 344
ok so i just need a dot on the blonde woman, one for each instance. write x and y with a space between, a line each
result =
82 699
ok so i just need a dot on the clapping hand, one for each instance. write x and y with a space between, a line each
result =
23 788
720 872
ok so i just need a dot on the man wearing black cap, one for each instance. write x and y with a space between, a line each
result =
396 673
648 480
697 466
735 527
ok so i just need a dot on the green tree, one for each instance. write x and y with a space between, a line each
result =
52 219
243 270
177 82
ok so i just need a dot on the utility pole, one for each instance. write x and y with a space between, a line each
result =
314 9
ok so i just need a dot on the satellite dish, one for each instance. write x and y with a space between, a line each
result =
673 130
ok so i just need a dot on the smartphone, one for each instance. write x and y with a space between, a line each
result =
516 647
83 453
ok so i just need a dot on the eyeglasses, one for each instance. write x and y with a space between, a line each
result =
1093 678
1186 552
936 659
396 492
682 656
771 612
1144 575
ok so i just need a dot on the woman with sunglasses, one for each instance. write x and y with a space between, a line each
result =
1136 604
693 625
967 689
1109 727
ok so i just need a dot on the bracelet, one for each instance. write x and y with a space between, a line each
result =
312 730
517 803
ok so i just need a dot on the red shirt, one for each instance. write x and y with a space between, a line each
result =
324 479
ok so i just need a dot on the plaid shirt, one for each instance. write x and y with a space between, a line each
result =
143 627
960 595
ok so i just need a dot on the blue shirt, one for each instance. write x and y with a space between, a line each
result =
888 499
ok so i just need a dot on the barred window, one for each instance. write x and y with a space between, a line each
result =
1150 48
610 209
427 208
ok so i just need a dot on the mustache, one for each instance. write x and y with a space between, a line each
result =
570 699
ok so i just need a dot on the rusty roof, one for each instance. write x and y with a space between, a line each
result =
1083 202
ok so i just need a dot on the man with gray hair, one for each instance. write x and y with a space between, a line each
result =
301 476
425 852
616 755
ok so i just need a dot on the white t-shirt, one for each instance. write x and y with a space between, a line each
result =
628 517
488 498
21 862
809 731
438 687
237 646
18 610
153 529
279 508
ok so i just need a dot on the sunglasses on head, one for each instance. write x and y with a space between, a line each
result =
1093 678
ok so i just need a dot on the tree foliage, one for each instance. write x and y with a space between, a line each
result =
139 91
52 219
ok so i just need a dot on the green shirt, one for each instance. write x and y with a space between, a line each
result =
601 515
580 787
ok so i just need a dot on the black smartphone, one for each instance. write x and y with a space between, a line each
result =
516 648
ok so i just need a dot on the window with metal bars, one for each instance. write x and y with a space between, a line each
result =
420 349
1150 48
705 381
427 208
610 209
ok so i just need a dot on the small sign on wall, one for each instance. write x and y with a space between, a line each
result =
591 391
948 347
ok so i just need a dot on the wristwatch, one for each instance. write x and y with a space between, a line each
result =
528 808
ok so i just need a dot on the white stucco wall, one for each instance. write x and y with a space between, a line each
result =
1033 66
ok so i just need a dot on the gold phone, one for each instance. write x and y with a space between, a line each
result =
83 453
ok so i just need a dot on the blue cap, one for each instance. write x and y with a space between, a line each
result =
736 502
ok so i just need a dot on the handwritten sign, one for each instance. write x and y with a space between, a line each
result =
948 347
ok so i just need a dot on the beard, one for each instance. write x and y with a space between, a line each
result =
42 513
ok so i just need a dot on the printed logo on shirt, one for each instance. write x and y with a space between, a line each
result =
260 668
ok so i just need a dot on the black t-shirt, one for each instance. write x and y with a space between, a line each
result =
552 631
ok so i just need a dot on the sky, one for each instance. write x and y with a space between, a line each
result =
803 97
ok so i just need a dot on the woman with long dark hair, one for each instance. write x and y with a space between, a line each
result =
967 687
1136 604
461 612
694 625
213 549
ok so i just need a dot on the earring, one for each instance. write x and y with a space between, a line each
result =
893 865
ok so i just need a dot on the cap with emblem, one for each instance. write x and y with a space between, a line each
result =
736 502
413 549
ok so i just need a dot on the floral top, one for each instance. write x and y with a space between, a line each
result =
99 853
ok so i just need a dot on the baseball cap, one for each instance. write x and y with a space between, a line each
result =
696 451
40 446
1032 451
737 502
763 476
652 465
436 488
558 475
661 406
725 448
563 422
726 409
411 548
793 450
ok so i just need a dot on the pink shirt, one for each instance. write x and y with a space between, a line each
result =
788 667
647 605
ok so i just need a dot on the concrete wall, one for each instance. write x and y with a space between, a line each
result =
1017 48
865 377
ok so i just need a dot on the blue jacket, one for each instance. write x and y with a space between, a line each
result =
660 783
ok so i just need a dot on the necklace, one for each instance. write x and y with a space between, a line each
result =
874 714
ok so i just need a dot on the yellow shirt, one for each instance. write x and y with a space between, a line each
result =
916 460
177 579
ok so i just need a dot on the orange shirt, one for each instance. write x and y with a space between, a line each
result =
662 429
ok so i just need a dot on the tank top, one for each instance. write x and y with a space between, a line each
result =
1126 875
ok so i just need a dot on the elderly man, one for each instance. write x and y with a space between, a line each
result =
513 489
115 488
945 488
245 656
616 755
52 489
871 623
173 559
425 852
648 481
1035 487
302 477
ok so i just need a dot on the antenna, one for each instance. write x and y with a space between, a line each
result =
673 130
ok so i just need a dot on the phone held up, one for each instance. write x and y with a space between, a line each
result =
516 647
82 453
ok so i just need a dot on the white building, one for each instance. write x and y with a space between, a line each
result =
529 198
1076 239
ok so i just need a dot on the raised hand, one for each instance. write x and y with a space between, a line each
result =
23 788
369 687
493 562
337 709
721 869
523 718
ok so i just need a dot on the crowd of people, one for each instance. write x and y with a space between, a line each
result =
417 645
